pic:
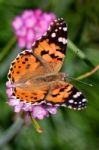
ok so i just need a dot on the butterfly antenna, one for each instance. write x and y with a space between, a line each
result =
89 84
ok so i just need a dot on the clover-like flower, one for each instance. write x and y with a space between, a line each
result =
31 25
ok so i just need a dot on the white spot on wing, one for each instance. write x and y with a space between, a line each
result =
42 102
75 102
64 105
33 44
77 95
64 28
49 104
55 20
84 100
60 39
57 105
53 35
64 41
56 30
70 107
71 101
39 38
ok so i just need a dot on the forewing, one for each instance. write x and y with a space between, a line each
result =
24 67
51 47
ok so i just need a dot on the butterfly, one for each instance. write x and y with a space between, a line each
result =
36 73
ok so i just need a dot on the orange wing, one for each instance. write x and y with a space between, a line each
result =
65 94
50 49
23 71
24 67
31 94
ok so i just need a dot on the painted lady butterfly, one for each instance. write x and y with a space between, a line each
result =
36 75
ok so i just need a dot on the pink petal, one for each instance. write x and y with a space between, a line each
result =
37 13
21 32
30 26
18 107
17 23
29 44
8 83
22 42
39 112
30 35
30 22
14 102
27 107
9 92
48 17
39 34
43 25
52 109
27 13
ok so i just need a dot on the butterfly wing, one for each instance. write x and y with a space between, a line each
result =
31 94
65 94
48 54
22 73
50 48
24 67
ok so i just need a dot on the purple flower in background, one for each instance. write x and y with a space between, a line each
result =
39 111
30 25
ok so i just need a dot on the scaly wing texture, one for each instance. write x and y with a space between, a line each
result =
24 67
31 94
22 72
51 47
65 94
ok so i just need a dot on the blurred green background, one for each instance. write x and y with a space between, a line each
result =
68 129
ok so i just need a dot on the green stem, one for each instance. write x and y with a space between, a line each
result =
76 50
87 74
36 125
11 132
7 48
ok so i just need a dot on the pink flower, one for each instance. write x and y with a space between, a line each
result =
30 25
39 111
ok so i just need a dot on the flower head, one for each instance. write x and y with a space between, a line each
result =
30 25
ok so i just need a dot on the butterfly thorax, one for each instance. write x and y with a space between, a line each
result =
51 77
